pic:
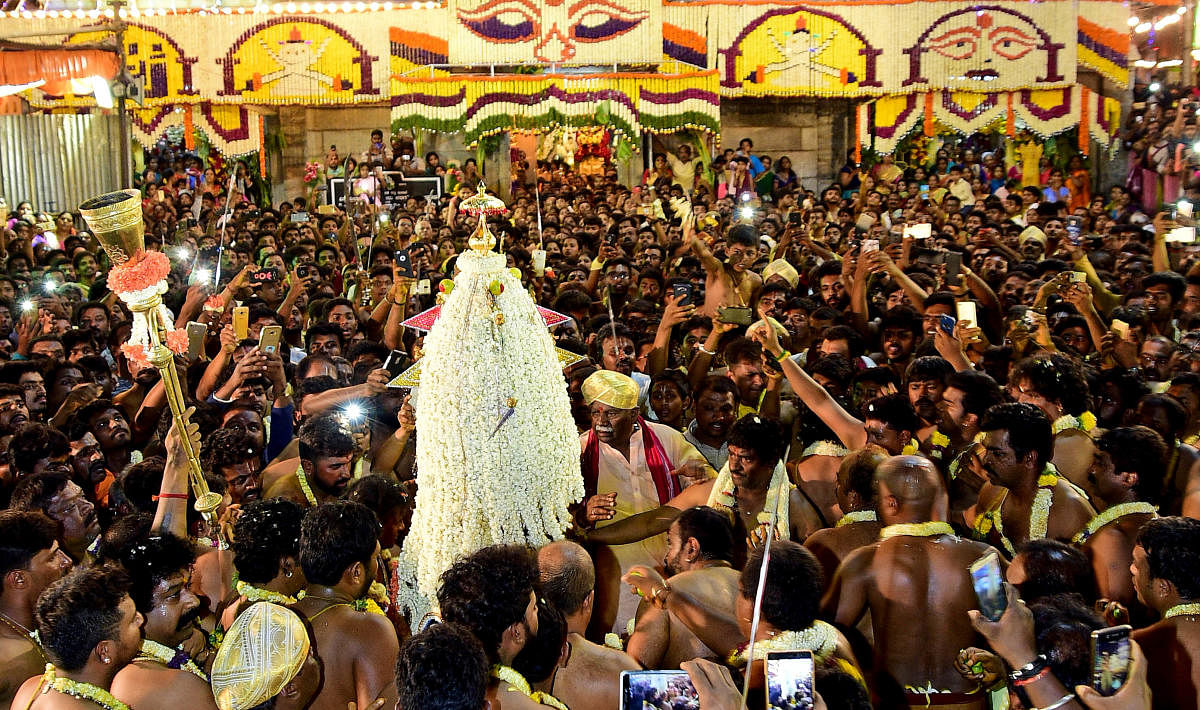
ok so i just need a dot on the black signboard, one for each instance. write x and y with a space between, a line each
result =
395 196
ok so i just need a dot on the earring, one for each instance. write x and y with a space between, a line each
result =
288 574
106 659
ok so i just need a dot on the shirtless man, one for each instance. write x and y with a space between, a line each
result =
918 570
324 468
589 678
1166 574
753 473
339 553
491 592
700 547
160 569
1018 443
90 629
728 283
1125 478
31 562
856 495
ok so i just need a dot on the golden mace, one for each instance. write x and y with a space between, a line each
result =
116 220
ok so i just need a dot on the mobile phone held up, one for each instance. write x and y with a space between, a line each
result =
790 680
683 294
1075 230
657 689
989 586
1110 659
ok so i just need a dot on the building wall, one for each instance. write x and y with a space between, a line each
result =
814 134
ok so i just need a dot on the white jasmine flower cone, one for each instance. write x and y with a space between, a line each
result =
479 485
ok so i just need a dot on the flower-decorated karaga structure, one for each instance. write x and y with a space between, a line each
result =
497 450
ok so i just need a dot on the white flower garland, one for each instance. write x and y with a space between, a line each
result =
480 489
779 493
820 638
1110 514
857 516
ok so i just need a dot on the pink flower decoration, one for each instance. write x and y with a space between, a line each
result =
177 341
214 303
151 268
137 356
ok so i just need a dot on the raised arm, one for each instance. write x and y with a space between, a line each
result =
847 428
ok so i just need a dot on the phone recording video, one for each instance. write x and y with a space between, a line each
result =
1110 659
658 689
790 680
989 586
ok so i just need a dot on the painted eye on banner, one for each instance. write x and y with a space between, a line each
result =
1011 43
503 21
599 21
956 44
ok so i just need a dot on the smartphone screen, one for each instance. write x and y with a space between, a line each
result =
268 339
790 680
870 245
657 689
1075 230
1110 659
989 586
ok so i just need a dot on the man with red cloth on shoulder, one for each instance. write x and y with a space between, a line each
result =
629 466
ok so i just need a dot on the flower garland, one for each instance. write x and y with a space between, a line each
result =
857 516
302 479
1192 609
776 505
820 638
141 285
928 529
258 594
825 448
518 683
173 658
482 485
79 689
1110 514
913 447
1084 422
1039 516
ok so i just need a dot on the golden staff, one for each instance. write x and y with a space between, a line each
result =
116 220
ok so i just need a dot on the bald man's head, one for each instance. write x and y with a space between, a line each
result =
911 480
567 574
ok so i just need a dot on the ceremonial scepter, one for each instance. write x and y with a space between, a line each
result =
139 278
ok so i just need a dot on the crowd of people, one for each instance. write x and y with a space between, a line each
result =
865 389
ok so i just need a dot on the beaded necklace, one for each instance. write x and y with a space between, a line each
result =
857 516
32 635
79 689
173 658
